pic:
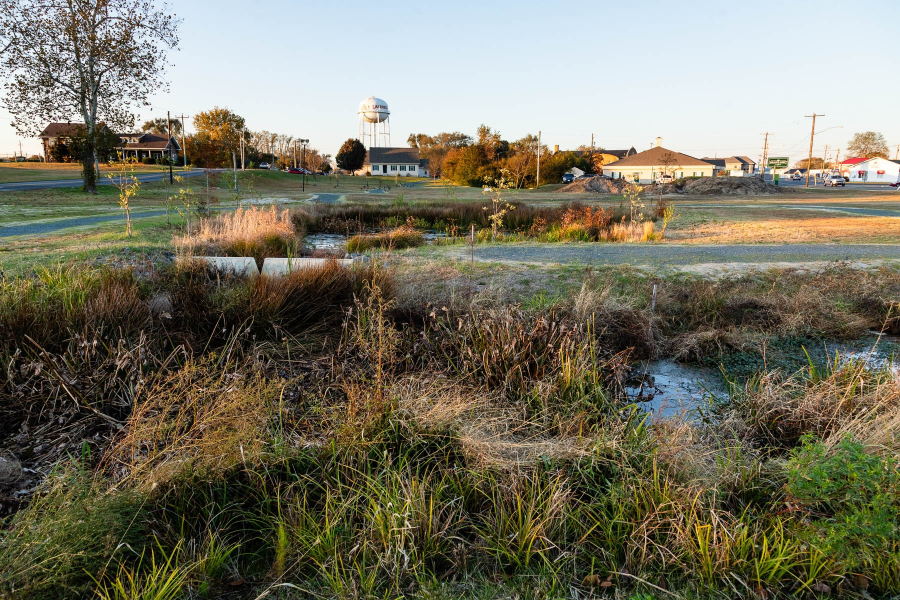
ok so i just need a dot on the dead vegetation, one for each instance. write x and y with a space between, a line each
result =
329 431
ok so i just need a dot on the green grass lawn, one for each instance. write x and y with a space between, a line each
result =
20 172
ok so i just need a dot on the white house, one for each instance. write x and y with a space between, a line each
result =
403 162
873 170
736 166
645 167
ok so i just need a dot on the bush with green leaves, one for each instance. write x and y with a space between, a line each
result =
852 495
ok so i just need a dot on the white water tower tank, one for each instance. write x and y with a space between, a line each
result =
374 110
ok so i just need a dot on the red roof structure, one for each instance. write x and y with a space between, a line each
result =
853 161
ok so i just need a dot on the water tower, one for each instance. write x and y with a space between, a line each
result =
374 123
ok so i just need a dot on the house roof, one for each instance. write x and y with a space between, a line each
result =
53 130
392 156
653 158
151 141
853 161
721 162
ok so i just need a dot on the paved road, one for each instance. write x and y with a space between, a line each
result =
51 226
70 183
869 187
681 255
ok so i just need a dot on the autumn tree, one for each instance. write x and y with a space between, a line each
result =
817 163
88 60
522 162
160 126
869 144
351 156
222 129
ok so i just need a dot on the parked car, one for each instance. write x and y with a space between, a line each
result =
836 180
896 184
264 165
568 177
665 179
796 176
296 171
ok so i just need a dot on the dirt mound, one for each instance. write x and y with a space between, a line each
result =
596 185
719 186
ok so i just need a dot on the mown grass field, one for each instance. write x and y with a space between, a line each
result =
11 172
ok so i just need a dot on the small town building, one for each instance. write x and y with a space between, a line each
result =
391 162
149 145
646 167
871 170
736 166
56 139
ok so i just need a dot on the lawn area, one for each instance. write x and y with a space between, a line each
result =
28 171
832 216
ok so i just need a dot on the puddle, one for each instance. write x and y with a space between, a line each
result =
669 389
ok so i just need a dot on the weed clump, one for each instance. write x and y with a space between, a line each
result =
394 239
255 232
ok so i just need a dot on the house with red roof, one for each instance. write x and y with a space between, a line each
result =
871 170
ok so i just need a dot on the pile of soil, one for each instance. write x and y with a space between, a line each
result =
597 185
719 186
703 186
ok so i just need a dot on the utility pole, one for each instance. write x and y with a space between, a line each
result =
897 155
812 136
765 156
825 159
168 142
243 133
592 152
538 162
183 140
295 154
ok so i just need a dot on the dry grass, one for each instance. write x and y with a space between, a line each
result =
204 419
846 398
255 232
394 239
768 230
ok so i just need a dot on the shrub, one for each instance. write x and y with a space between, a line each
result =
149 161
255 232
852 497
395 239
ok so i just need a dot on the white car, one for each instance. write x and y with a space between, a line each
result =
665 179
835 180
264 165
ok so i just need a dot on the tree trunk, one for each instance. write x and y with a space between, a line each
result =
88 170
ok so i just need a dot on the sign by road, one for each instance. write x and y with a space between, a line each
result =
778 162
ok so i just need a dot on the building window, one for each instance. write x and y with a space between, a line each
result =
402 167
393 167
412 168
374 167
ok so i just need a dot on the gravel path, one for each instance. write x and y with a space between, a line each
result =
51 226
678 255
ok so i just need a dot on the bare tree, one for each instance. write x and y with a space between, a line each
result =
669 162
93 60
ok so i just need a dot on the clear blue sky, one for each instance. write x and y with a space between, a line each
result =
708 77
